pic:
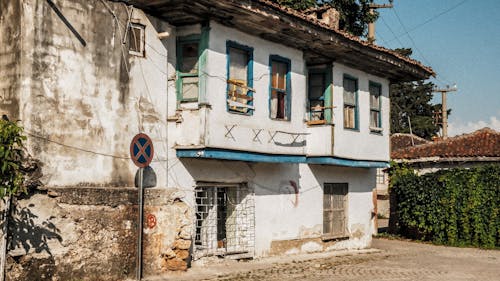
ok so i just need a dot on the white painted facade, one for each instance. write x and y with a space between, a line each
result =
82 121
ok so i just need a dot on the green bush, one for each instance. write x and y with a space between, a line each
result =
459 207
11 157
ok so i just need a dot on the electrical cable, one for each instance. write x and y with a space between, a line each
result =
428 20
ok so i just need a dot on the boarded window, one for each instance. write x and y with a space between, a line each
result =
350 103
335 210
187 64
375 118
136 39
239 91
279 89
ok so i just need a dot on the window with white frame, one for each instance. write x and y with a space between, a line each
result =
136 39
280 88
375 111
350 103
239 78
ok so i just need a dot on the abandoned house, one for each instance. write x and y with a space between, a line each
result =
268 126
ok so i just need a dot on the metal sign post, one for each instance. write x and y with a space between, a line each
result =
141 152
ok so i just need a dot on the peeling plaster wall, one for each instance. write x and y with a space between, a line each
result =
10 57
82 105
288 218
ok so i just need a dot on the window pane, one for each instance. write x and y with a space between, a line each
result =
316 86
279 70
238 65
374 96
278 102
189 58
374 119
349 91
136 39
190 87
349 121
349 85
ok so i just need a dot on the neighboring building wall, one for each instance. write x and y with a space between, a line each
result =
10 57
92 99
362 143
81 104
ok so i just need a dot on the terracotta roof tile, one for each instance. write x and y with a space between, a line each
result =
481 143
402 141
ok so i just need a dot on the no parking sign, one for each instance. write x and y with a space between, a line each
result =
141 150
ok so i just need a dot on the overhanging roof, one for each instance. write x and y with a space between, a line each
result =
319 42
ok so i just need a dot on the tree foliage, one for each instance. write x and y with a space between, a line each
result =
412 100
11 157
354 14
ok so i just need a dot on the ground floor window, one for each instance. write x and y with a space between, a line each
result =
335 210
224 220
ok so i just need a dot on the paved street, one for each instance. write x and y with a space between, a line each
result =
389 260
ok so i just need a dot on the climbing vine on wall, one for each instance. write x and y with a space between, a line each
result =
459 207
11 157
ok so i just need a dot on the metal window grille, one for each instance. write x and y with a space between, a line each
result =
224 221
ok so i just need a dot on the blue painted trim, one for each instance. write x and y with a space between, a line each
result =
249 50
211 153
346 162
225 154
288 105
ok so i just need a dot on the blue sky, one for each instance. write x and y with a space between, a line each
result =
460 40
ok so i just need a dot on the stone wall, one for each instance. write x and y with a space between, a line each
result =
83 233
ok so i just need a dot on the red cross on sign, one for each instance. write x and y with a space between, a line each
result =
141 150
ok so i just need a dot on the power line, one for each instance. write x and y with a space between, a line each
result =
390 29
427 21
414 44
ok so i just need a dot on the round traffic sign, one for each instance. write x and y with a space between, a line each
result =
141 150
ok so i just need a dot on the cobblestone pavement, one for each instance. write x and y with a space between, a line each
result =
395 260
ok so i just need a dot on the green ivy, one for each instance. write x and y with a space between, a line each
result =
459 207
11 155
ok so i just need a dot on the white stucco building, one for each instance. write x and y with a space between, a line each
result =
271 123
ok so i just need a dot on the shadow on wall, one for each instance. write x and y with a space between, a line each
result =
25 233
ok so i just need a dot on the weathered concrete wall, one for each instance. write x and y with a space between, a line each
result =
91 234
362 143
83 103
285 216
243 132
10 57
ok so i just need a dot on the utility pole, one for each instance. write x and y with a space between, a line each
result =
371 25
444 110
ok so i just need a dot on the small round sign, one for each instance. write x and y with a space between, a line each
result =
141 150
